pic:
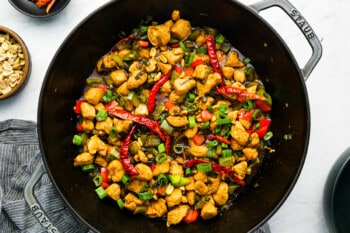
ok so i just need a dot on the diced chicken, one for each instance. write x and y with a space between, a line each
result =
239 133
136 186
254 140
175 168
239 76
208 211
123 89
190 132
174 198
105 125
113 191
94 95
198 151
136 79
88 125
175 15
145 172
235 145
142 110
161 168
83 159
177 121
106 63
157 209
141 156
101 160
88 111
131 202
228 72
240 169
176 215
183 85
245 123
212 81
164 67
250 153
221 196
201 188
159 35
173 56
190 186
191 197
200 176
118 77
173 97
201 72
213 184
95 144
233 60
115 170
122 125
181 29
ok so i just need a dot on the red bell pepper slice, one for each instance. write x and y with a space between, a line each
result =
206 115
77 108
198 139
191 216
80 128
197 62
246 115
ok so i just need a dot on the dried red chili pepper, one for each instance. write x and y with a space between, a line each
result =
213 58
216 168
237 91
151 104
219 138
124 151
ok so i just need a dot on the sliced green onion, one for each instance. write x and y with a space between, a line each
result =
77 140
268 136
246 61
219 38
101 193
97 180
204 167
167 127
92 81
191 97
120 203
257 115
223 121
189 59
205 125
145 196
178 149
126 179
188 171
182 45
224 145
162 180
223 108
191 121
101 115
88 167
162 157
212 153
213 143
227 153
226 161
201 50
118 60
210 109
248 105
144 29
161 148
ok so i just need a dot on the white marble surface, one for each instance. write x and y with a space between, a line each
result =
328 93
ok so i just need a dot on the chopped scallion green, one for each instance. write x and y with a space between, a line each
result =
101 193
145 196
88 167
204 167
101 115
191 121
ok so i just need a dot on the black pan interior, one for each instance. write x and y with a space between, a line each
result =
75 61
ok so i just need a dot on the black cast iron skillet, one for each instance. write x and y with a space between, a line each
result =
76 58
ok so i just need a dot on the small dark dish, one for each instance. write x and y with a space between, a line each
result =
29 8
336 202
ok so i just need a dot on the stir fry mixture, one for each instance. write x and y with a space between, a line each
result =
41 3
172 122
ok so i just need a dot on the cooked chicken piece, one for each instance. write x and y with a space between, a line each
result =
106 63
240 169
212 81
221 196
239 133
235 145
201 188
190 186
254 140
141 156
228 72
131 201
174 198
191 197
150 65
232 114
183 85
198 151
190 132
101 160
245 123
201 72
164 68
94 95
159 35
123 89
122 125
105 125
113 191
83 159
200 40
200 176
175 168
250 153
88 125
145 172
118 77
88 111
177 121
173 56
208 211
181 29
175 15
136 186
233 60
239 76
142 110
136 79
201 56
115 170
213 184
144 53
176 215
173 97
161 168
95 144
209 102
157 209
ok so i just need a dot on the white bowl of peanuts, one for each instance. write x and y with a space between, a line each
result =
14 62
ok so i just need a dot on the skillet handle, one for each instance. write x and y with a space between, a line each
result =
34 206
304 27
